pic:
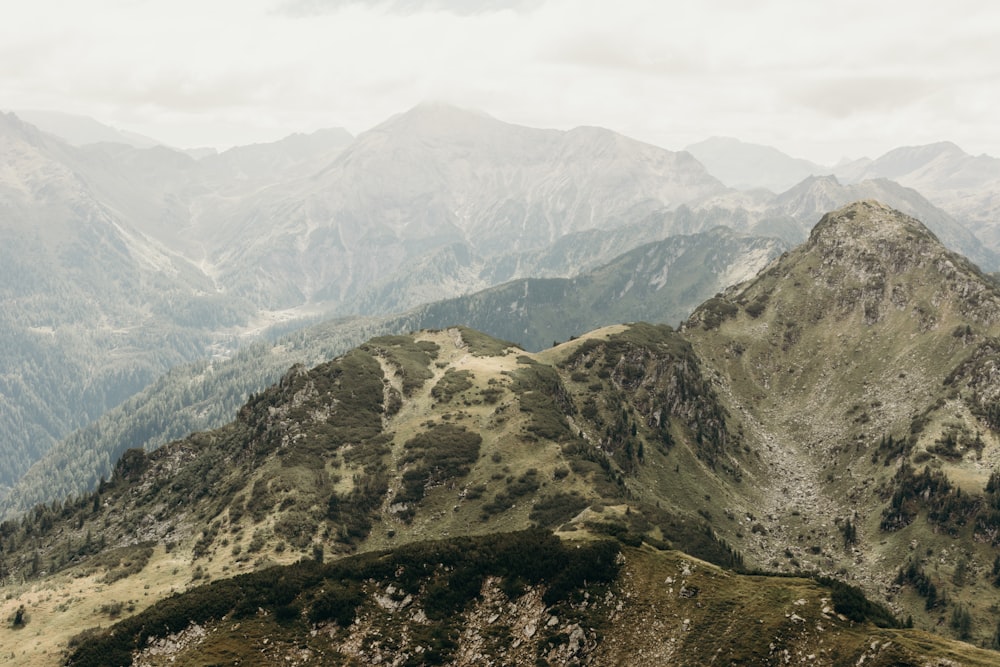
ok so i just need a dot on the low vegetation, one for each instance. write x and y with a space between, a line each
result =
445 576
442 453
752 445
410 357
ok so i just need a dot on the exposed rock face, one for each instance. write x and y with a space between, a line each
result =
868 244
664 609
850 358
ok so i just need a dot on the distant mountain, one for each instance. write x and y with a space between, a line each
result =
791 214
745 166
109 250
447 496
657 282
91 309
901 163
966 186
121 261
81 130
295 156
460 270
431 178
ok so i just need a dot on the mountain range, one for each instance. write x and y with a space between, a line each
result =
160 258
803 469
82 130
962 185
113 267
747 166
659 281
833 420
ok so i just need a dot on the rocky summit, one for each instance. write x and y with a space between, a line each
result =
803 473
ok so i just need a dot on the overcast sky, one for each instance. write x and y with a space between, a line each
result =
819 80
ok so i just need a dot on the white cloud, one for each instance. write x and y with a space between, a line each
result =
819 80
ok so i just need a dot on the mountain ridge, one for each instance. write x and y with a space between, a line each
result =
521 311
746 166
780 428
121 232
159 258
81 130
863 337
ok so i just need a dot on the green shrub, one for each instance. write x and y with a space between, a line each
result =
443 452
131 564
851 602
961 622
483 345
715 311
523 485
543 398
337 602
412 358
354 512
556 509
756 307
450 571
296 527
946 505
287 612
451 384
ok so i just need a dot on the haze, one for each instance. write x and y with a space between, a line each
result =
817 80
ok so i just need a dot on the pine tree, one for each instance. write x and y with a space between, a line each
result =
850 533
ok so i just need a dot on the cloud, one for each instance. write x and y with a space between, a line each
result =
600 49
815 79
458 7
840 97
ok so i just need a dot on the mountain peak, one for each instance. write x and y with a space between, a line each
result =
866 263
947 147
13 125
437 118
872 223
746 166
869 263
915 155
